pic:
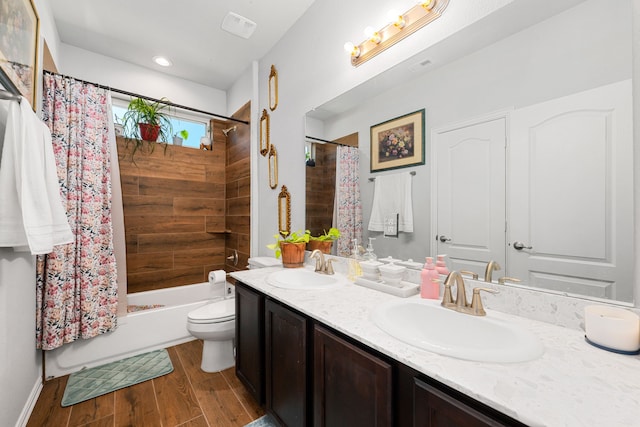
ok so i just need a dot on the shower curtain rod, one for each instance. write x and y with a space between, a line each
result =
171 104
326 141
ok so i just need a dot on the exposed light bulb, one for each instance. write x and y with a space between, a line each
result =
396 18
428 4
372 35
352 49
161 60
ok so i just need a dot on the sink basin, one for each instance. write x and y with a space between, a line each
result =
303 279
427 325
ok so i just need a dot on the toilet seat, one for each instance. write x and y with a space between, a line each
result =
215 312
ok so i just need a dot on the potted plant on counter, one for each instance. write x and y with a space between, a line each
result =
183 135
147 121
291 247
324 241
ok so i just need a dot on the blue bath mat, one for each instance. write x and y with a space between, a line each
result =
264 421
89 383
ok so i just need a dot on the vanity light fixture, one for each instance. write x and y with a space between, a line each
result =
401 26
162 61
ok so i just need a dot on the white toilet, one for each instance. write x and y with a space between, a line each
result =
215 324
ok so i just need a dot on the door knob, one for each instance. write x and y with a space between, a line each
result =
444 239
520 246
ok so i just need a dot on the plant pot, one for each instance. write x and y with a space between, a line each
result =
149 132
292 254
177 140
323 245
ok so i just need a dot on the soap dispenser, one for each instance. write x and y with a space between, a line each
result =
429 280
441 265
354 270
369 255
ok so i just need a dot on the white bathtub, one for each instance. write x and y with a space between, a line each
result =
138 332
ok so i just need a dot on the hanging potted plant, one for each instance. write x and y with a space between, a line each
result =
147 121
324 241
291 248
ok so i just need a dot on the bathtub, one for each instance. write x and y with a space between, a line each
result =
138 332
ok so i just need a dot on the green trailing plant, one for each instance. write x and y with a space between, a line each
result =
154 113
295 237
329 236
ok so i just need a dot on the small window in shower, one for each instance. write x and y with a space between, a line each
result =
195 124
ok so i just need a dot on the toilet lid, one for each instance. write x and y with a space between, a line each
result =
215 312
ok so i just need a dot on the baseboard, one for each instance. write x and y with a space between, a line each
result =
30 404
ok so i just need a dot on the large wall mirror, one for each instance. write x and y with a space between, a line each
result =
519 64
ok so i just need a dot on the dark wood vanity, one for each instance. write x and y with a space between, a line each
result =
307 374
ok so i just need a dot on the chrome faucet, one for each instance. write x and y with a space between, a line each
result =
461 305
491 267
322 266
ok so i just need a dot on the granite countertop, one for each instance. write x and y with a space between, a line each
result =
571 384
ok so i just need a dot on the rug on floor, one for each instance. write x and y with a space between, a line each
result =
264 421
93 382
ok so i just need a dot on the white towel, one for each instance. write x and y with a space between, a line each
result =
392 194
31 212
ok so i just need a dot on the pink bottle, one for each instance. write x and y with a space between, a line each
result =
429 280
441 265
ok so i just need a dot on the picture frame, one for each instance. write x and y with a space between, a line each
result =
398 143
19 47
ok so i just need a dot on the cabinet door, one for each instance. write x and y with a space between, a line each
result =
250 340
286 365
352 388
434 408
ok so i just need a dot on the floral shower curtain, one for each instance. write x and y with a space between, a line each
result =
347 213
76 283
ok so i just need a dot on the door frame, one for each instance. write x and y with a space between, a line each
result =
475 120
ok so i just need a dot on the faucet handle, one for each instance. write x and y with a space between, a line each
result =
447 298
473 275
476 302
505 279
329 265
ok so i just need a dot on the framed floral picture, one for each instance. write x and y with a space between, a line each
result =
398 143
19 47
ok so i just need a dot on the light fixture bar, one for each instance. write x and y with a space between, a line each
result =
415 18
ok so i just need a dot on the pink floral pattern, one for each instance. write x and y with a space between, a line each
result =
76 283
348 207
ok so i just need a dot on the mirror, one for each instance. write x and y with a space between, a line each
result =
284 212
578 47
273 167
264 133
273 88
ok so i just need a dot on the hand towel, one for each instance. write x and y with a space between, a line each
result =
31 212
391 195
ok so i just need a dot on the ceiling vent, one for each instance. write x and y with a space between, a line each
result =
238 25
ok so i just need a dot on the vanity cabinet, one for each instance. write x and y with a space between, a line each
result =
351 387
286 365
250 340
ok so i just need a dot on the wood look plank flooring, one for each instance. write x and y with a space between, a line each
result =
187 397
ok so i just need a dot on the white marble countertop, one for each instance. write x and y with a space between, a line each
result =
571 384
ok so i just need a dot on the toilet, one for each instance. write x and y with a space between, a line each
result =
215 324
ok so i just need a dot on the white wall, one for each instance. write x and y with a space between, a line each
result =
313 68
565 54
93 67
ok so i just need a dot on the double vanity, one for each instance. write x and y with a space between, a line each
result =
319 350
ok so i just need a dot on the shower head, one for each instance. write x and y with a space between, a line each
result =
226 131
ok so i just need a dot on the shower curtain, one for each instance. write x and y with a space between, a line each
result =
76 292
347 212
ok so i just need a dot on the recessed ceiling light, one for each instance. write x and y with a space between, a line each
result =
161 60
238 25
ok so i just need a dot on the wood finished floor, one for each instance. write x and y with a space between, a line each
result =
187 397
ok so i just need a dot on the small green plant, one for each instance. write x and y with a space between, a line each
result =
329 236
184 134
295 237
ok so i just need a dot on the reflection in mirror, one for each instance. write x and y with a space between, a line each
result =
273 88
273 167
284 212
551 58
264 133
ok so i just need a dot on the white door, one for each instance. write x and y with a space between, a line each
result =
471 194
571 194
